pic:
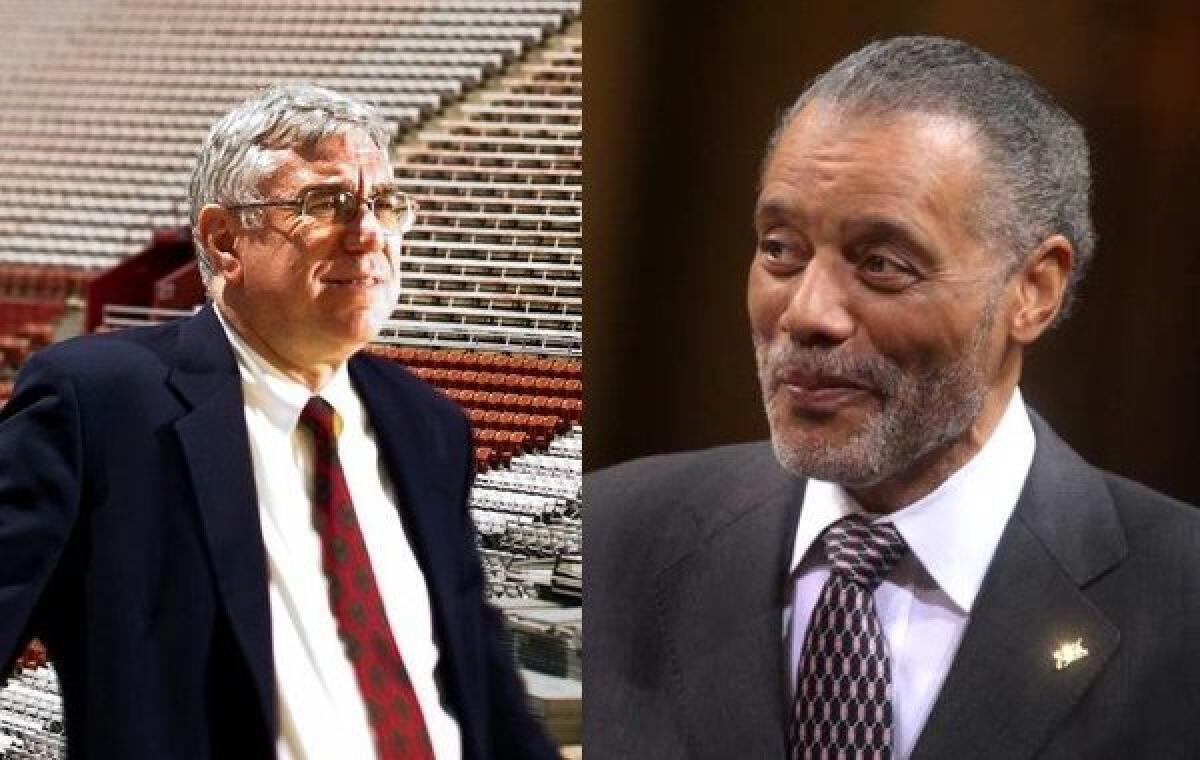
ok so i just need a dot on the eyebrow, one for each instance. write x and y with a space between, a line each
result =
342 183
774 209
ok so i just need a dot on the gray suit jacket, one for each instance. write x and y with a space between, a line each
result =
687 557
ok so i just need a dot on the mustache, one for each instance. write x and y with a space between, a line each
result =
780 359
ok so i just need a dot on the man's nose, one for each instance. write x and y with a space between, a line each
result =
817 310
364 233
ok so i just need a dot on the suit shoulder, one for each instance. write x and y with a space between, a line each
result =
114 356
677 493
1153 518
671 476
646 514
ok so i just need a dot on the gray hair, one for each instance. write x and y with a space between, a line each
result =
1037 177
237 153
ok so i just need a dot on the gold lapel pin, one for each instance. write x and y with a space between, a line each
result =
1068 652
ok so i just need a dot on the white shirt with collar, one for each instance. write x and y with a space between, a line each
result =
925 602
321 710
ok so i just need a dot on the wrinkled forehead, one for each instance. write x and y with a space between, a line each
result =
908 152
350 157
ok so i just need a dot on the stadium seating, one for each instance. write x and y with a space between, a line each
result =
31 715
96 144
495 262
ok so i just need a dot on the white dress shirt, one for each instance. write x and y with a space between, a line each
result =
321 710
925 602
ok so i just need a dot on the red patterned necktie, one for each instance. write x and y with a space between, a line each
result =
843 701
395 716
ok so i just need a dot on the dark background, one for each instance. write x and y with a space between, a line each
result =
679 103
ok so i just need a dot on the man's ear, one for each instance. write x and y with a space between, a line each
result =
217 228
1040 284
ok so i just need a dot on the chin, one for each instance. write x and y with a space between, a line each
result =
364 333
845 447
847 462
827 435
379 314
351 334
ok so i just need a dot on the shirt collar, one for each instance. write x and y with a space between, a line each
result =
280 398
952 531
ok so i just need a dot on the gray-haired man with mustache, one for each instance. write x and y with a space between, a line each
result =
916 566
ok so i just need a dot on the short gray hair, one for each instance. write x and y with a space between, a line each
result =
236 154
1037 171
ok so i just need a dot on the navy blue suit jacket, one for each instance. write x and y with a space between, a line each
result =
130 544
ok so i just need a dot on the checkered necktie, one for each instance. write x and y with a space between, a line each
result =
843 702
395 716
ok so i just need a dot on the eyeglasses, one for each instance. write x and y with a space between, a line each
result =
395 210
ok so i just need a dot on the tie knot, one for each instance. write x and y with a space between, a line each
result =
861 551
321 418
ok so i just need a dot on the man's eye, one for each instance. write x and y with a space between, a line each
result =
881 265
780 255
324 203
388 202
886 272
774 248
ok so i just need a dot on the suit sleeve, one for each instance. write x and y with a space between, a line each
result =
40 465
516 733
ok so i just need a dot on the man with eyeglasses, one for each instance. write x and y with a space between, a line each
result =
238 536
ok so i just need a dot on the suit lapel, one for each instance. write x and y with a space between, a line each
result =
217 450
429 499
1004 694
721 612
422 492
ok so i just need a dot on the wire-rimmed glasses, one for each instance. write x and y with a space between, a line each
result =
395 210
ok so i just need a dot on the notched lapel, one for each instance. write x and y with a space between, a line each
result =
1005 694
216 447
720 609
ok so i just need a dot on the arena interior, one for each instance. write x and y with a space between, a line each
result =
105 104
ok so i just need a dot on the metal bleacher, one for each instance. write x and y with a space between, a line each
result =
106 103
496 261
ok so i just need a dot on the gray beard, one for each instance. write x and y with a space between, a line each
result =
918 413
